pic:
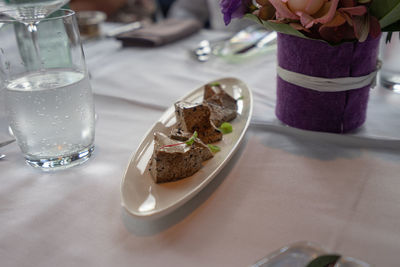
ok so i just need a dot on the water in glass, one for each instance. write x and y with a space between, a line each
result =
46 104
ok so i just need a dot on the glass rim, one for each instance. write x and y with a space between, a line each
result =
67 13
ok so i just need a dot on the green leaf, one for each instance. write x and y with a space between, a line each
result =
215 84
324 261
387 11
191 140
279 27
214 149
282 28
395 27
226 128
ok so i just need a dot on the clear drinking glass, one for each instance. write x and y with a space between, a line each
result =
30 10
48 97
389 75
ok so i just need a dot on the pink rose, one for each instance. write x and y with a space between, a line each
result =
309 12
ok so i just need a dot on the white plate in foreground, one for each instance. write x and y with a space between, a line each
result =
143 198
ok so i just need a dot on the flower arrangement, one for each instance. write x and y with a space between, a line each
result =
326 56
334 21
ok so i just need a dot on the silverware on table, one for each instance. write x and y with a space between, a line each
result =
113 32
263 41
236 45
203 51
125 28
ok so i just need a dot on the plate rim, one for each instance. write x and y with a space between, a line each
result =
204 183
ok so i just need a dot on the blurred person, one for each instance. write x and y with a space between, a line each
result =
206 11
124 11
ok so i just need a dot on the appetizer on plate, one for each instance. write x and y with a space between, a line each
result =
193 117
173 160
223 106
145 199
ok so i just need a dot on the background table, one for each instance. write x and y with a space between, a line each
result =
283 185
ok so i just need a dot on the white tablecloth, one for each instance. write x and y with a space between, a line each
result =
283 185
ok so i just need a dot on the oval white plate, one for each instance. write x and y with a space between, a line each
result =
143 198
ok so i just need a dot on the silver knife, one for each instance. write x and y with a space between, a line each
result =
260 43
125 28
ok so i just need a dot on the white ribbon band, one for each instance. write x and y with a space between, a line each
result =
328 84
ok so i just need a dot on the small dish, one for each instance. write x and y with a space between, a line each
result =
145 199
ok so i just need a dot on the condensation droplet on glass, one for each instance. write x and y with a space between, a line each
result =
66 116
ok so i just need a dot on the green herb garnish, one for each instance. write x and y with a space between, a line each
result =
215 84
240 98
214 149
324 261
191 140
226 128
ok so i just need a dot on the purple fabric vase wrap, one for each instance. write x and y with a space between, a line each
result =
336 112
